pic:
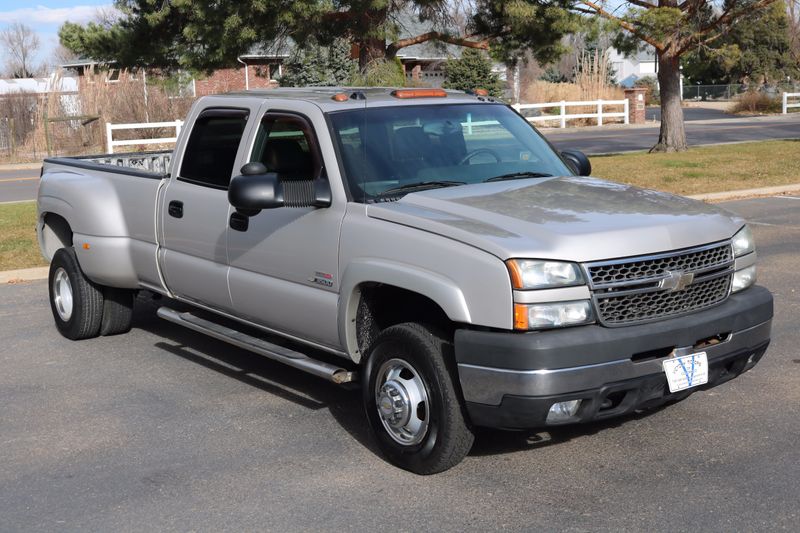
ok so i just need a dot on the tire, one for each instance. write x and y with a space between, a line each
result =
422 426
76 302
117 311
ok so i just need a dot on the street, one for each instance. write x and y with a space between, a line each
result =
697 133
166 430
18 185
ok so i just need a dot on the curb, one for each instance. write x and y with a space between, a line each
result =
747 193
25 274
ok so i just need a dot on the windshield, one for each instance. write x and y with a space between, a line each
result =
391 151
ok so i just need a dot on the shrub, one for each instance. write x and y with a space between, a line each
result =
472 71
756 102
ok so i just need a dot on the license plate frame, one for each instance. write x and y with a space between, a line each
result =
686 371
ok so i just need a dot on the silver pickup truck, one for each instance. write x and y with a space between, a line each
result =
430 245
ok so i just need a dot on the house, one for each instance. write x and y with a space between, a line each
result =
257 71
628 69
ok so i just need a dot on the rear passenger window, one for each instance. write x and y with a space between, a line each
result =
211 151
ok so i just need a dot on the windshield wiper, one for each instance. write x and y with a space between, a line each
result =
420 186
519 175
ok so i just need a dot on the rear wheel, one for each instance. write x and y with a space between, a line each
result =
76 302
117 311
412 401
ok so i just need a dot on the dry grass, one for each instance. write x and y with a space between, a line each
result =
706 169
120 102
18 246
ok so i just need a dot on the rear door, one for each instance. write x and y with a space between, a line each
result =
195 208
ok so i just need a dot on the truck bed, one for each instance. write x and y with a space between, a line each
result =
144 164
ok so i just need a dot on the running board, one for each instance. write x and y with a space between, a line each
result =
267 349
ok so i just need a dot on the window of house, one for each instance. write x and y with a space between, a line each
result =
275 71
112 76
211 150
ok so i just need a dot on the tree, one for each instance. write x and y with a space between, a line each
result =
20 43
319 65
472 71
673 28
205 35
757 49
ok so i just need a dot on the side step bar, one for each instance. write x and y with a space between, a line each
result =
267 349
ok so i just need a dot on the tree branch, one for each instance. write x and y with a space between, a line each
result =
729 15
626 25
464 41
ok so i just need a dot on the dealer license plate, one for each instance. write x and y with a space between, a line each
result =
687 371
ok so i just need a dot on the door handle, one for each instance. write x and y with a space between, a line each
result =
175 209
239 222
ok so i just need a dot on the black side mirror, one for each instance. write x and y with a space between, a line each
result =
251 192
577 161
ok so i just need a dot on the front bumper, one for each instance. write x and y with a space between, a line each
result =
510 380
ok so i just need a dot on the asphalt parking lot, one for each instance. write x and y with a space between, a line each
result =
166 430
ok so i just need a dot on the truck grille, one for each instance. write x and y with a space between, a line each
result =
640 289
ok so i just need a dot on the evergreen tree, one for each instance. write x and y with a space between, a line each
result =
757 49
472 71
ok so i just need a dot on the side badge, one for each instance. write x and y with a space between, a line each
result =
322 278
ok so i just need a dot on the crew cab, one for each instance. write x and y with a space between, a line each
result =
428 245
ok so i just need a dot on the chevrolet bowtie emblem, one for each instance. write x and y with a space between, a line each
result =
676 281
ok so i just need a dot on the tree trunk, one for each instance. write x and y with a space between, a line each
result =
672 137
369 50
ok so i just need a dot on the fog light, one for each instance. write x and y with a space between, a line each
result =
563 411
744 278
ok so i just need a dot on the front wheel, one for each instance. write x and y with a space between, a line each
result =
412 402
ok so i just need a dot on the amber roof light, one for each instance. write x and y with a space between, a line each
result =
419 93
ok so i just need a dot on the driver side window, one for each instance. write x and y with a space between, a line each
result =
286 146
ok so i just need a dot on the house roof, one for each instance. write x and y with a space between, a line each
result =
50 84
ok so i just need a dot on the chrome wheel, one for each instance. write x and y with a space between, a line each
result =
62 294
402 401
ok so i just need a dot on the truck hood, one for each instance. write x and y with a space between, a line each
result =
567 218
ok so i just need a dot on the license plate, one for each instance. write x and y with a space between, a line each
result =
687 371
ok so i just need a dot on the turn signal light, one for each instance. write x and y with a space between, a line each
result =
419 93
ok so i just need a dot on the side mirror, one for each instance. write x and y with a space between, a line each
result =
577 161
250 193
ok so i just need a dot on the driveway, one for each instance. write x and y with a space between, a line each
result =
166 430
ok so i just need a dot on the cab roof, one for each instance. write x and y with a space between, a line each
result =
359 97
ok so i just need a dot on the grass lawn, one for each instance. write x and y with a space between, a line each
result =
18 247
706 168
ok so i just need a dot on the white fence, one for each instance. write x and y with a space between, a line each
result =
563 117
111 128
786 105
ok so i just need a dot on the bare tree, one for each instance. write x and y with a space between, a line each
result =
20 44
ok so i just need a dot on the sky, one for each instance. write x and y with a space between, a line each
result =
45 17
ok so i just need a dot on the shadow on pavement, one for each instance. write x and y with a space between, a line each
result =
312 393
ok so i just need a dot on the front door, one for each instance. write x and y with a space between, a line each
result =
195 209
284 266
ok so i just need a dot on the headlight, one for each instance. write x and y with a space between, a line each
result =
743 242
743 278
552 315
533 274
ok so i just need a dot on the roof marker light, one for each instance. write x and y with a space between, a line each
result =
340 97
419 93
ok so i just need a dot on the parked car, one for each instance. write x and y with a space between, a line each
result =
432 242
